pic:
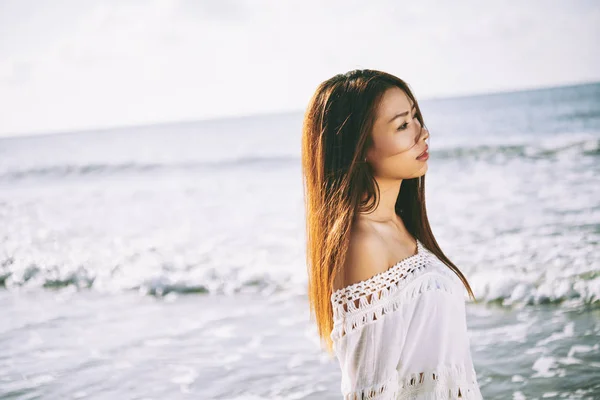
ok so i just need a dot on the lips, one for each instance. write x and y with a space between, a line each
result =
424 151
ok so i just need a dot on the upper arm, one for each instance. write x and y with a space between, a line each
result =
366 256
367 361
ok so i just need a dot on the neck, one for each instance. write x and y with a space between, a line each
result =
388 194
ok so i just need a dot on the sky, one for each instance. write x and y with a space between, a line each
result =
70 65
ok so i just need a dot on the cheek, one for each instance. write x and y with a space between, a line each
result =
395 154
400 144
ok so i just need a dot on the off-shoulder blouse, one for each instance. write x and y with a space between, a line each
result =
402 334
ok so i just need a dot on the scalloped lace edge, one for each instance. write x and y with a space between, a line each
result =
380 278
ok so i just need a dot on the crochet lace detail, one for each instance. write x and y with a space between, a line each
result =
368 300
444 382
382 279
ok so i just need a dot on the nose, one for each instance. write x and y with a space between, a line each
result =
424 134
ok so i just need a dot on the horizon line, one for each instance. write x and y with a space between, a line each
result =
272 113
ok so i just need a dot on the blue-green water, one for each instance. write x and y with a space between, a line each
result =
167 261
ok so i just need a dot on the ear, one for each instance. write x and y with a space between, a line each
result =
368 155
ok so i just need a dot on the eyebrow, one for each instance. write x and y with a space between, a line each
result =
402 114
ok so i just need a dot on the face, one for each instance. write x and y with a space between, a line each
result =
397 138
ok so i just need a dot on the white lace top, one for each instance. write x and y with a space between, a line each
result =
402 334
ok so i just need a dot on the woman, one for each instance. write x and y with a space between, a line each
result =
387 300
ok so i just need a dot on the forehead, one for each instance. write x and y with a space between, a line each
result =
393 101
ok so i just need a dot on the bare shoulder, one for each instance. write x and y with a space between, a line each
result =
366 256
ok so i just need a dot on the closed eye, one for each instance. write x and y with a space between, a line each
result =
405 125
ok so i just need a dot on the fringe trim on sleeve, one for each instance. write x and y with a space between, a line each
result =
386 300
443 382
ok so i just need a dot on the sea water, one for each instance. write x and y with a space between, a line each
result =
167 261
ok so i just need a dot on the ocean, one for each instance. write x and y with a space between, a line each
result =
167 261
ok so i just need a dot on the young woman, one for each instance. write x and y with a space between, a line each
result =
387 301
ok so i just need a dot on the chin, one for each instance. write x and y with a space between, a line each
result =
421 172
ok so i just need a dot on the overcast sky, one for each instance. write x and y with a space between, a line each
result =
72 64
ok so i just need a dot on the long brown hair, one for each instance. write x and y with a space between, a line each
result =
338 183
